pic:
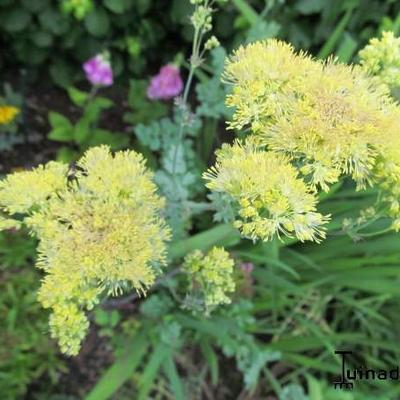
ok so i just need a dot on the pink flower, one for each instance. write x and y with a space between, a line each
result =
166 85
247 268
98 71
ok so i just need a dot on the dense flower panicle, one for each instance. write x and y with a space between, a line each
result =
328 119
21 191
271 198
337 127
262 74
8 114
99 232
381 58
212 274
166 85
98 71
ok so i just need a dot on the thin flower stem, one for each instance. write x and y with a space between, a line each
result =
377 233
193 65
180 134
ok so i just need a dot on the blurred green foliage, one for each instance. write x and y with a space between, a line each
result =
27 354
39 33
86 131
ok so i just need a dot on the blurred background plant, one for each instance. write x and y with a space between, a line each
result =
55 37
10 109
27 356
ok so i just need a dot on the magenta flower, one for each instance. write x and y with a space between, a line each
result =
247 268
98 71
166 85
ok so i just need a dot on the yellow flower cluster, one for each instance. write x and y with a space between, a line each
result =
8 114
99 230
327 119
271 197
212 274
381 58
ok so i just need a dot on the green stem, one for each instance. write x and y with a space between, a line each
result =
180 134
247 11
377 233
396 25
330 44
209 133
218 235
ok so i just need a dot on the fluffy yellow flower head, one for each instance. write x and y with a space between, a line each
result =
212 274
7 114
381 58
326 119
262 74
23 190
272 199
99 231
336 127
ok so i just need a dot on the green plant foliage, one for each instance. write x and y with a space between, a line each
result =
86 131
27 354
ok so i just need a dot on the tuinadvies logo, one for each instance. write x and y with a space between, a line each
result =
350 375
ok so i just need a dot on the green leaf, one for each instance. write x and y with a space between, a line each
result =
82 131
94 108
51 20
113 139
97 22
61 134
160 353
101 317
262 30
212 360
62 129
293 392
58 120
61 73
42 39
347 48
121 370
78 97
35 6
247 11
15 20
309 6
175 381
116 6
143 110
67 155
217 235
314 389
